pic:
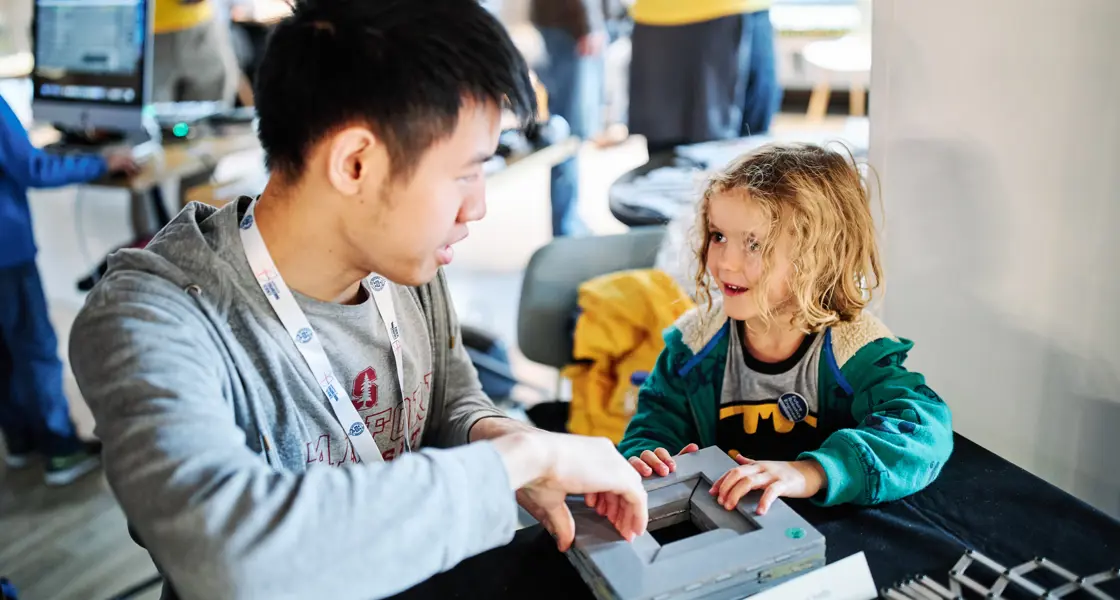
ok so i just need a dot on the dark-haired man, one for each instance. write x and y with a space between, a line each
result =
278 422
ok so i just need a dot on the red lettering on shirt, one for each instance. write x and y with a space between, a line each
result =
322 451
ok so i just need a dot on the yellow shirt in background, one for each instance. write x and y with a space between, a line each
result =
173 15
684 12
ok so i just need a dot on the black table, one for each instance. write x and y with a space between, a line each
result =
979 502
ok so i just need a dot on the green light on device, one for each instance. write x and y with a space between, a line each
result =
180 129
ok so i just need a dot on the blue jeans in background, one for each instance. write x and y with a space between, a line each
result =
575 92
34 413
762 95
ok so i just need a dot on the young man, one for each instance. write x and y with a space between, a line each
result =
277 421
34 413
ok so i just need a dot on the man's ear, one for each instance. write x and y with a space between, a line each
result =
352 159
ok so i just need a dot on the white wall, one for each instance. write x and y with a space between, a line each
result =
995 127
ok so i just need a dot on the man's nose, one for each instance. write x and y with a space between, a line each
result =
474 207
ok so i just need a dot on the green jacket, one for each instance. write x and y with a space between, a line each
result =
887 433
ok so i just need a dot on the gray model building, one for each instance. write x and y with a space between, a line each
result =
730 554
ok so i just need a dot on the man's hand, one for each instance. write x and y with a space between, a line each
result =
798 479
546 467
121 162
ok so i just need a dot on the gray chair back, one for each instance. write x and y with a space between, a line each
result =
550 289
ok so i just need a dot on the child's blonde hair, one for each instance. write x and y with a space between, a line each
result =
818 195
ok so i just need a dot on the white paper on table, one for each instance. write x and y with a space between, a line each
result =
848 579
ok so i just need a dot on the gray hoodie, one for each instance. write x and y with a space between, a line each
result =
205 409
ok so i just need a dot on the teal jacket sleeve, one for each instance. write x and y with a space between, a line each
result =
903 435
663 418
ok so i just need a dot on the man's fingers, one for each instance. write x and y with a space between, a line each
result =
560 522
612 508
640 466
689 449
743 460
590 499
655 463
771 494
663 454
637 513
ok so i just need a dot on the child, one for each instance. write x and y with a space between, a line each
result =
34 413
784 370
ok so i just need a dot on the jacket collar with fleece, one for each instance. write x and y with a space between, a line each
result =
704 327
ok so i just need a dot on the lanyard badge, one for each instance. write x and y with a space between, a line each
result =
307 342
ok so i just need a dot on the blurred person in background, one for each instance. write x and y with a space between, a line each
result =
574 35
194 57
702 70
34 413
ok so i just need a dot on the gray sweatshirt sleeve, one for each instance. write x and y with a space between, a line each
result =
465 403
218 520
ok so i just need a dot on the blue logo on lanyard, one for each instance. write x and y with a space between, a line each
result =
331 394
304 335
378 283
356 429
247 222
270 289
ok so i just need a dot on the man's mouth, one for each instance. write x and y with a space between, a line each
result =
733 290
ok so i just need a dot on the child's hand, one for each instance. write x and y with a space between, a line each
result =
658 461
608 504
798 479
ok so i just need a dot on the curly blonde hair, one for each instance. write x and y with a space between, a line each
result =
819 196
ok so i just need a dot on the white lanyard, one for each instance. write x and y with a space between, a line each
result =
298 327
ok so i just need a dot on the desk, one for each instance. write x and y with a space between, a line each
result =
980 501
183 161
189 163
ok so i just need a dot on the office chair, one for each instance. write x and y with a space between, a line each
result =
548 309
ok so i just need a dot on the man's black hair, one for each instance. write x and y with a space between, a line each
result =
400 67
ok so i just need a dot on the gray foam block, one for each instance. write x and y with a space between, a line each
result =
738 553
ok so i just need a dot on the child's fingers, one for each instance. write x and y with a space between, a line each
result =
734 476
743 487
772 493
640 466
689 449
663 454
743 460
718 483
590 499
655 463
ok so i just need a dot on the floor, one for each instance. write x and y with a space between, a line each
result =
71 543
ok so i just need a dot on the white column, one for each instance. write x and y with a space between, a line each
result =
995 128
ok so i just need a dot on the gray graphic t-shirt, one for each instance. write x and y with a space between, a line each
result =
357 346
769 411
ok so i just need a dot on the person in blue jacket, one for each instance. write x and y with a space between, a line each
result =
34 414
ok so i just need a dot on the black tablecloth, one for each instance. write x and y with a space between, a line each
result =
979 502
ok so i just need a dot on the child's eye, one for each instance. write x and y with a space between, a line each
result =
753 245
716 237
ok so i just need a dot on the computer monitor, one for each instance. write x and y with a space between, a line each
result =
93 64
